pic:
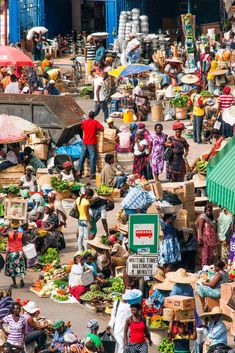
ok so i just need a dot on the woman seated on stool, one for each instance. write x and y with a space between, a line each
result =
212 288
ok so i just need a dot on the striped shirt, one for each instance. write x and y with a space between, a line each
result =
225 101
15 329
90 51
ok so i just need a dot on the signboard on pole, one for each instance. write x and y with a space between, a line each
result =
141 265
144 233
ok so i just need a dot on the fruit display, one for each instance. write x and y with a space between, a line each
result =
61 298
166 346
156 321
95 296
117 284
134 180
64 185
201 167
59 274
104 190
148 309
49 256
3 245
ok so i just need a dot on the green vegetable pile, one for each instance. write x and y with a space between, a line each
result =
206 94
104 190
61 298
63 185
201 167
12 188
50 256
3 245
60 284
180 102
117 284
95 295
166 347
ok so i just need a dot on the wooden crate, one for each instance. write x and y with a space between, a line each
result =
11 175
16 209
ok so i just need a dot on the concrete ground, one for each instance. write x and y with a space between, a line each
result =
77 314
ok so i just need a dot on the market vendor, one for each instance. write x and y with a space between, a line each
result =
57 343
47 63
67 172
34 333
103 255
160 292
183 282
27 182
75 289
181 335
173 72
142 106
215 330
109 176
123 140
119 254
12 156
212 288
217 141
58 207
30 159
93 326
38 209
133 49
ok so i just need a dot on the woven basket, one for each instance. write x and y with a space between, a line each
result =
63 195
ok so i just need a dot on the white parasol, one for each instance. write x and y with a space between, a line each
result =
34 30
229 115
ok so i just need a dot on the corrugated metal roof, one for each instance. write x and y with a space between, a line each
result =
220 181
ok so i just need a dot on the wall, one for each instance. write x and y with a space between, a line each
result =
58 17
76 15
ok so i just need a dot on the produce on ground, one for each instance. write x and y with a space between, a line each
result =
3 245
117 284
63 185
104 190
60 298
156 321
201 167
206 94
50 256
165 346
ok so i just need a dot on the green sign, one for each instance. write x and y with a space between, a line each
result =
144 233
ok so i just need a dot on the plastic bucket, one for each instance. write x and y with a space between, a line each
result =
128 116
29 251
157 111
181 113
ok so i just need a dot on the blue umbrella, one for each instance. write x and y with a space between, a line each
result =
128 70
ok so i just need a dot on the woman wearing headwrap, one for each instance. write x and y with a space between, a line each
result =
176 167
93 326
67 172
158 148
225 101
38 210
59 209
58 341
72 344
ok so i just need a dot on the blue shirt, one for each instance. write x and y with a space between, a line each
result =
216 332
182 289
58 339
160 295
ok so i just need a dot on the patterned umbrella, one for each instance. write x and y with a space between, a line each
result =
14 129
128 70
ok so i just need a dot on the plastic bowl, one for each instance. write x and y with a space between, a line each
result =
136 300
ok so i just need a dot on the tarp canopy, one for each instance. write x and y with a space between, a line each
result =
15 129
220 177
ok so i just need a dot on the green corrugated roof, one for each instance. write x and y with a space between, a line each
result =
220 180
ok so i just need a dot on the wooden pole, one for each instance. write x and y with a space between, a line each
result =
5 22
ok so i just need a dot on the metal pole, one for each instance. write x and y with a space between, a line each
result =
5 23
189 6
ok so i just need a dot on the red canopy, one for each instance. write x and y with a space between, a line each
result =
13 56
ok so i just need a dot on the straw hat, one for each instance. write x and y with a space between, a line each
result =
175 59
165 286
219 72
181 276
97 243
159 275
189 79
217 311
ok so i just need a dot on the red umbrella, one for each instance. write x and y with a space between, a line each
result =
13 56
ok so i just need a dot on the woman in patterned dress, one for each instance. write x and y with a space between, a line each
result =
158 147
176 168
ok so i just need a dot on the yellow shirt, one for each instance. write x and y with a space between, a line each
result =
196 108
82 208
213 67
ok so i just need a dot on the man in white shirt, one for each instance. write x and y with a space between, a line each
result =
12 87
120 313
100 95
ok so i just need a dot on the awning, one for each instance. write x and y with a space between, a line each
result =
220 178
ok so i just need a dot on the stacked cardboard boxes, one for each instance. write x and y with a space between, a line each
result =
227 291
99 163
183 308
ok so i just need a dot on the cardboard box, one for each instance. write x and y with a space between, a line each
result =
190 207
226 309
179 302
181 219
157 189
227 291
212 302
105 146
183 315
